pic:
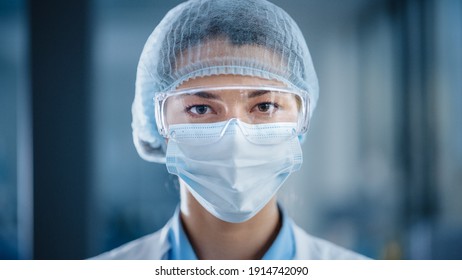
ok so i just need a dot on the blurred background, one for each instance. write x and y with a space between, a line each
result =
382 171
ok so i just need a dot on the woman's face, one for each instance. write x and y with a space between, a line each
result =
250 105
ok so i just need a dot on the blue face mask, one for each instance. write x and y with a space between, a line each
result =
233 169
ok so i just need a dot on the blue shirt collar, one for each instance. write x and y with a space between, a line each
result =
180 247
283 247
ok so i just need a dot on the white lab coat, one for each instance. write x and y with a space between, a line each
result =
155 246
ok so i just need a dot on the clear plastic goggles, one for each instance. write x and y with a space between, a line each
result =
253 105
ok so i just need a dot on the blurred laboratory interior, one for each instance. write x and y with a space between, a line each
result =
382 171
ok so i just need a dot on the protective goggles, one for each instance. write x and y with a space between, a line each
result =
254 105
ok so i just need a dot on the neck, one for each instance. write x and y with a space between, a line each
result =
213 238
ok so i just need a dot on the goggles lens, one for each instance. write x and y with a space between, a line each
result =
254 105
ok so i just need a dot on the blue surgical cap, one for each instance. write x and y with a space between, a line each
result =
213 37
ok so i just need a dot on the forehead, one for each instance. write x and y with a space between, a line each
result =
225 80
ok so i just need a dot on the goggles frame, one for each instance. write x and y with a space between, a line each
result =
160 98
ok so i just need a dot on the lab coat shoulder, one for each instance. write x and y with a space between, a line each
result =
312 248
150 247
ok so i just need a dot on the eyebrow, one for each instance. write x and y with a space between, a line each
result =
257 93
207 95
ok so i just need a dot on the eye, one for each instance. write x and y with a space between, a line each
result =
199 109
266 107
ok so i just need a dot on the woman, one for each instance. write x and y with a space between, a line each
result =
224 94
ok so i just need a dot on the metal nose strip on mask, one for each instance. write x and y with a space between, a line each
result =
224 129
203 134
